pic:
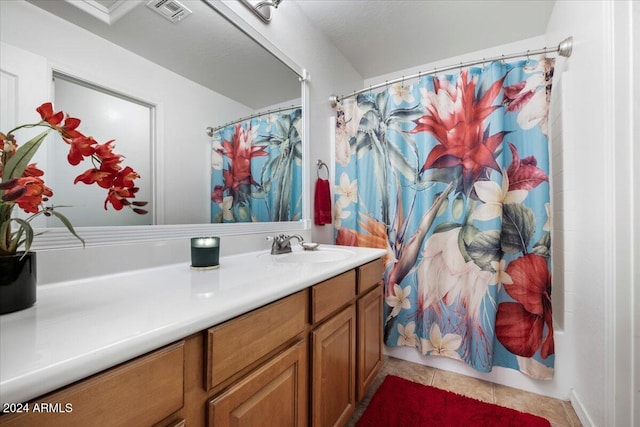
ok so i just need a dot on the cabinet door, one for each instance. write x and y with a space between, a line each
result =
369 344
333 370
275 394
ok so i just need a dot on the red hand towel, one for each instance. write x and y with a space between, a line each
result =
322 205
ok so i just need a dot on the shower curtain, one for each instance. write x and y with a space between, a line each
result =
256 170
450 176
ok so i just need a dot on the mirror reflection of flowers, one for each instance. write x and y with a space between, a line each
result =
23 186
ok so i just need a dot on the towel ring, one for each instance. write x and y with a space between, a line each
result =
322 164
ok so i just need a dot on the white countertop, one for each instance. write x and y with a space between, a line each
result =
82 327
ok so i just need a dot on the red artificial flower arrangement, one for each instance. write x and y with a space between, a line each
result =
22 184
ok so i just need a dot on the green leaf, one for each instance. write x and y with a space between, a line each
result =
381 102
67 224
445 226
406 114
457 208
18 162
408 139
266 175
370 121
446 175
389 325
543 246
16 239
443 206
468 233
4 230
518 225
363 143
484 248
365 102
400 163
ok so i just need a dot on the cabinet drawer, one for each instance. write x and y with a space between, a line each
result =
329 296
235 346
369 275
139 393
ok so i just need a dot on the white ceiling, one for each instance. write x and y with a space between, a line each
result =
376 36
415 32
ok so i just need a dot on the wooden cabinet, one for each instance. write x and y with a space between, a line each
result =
275 394
333 369
346 342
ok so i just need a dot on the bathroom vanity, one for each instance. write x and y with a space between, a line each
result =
293 339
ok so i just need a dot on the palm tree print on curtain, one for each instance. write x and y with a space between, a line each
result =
256 170
450 176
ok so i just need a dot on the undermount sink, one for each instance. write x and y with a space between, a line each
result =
315 256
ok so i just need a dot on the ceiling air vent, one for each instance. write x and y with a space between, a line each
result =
173 10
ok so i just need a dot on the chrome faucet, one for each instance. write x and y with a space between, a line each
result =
282 244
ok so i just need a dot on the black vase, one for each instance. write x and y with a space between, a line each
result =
17 282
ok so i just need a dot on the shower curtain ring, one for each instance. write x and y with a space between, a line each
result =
528 57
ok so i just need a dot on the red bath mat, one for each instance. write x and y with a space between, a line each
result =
402 403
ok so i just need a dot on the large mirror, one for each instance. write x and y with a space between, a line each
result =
205 70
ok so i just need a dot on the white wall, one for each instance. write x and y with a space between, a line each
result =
598 190
184 108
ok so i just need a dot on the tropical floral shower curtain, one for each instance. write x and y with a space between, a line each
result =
450 176
256 171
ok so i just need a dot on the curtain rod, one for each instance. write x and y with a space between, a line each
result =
212 130
564 49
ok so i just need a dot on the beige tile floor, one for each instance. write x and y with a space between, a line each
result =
558 412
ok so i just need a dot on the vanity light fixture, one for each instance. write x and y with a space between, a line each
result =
262 8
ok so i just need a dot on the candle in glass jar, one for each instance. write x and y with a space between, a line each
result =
205 252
